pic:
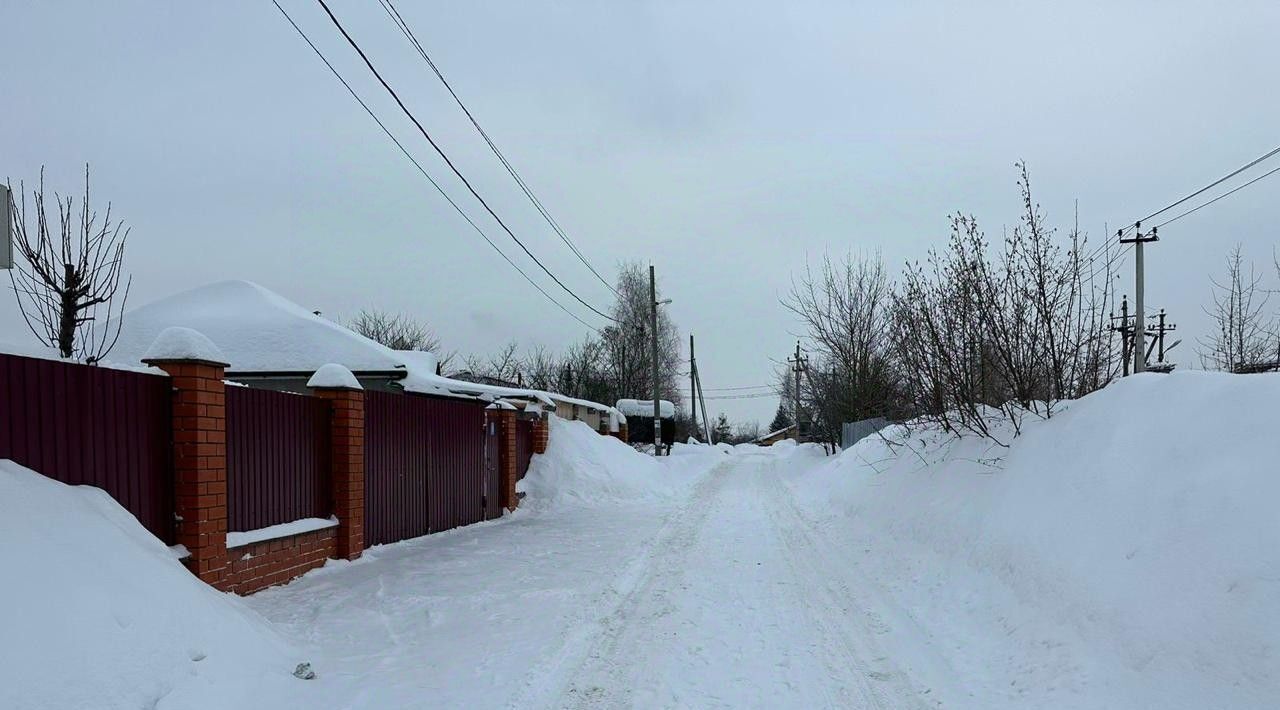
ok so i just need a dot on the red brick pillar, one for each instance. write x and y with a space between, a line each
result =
541 435
621 433
507 456
346 464
199 462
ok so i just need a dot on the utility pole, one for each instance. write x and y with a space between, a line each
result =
799 365
1140 329
1124 333
1161 329
653 326
702 400
693 387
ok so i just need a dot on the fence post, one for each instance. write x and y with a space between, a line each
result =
336 384
541 434
196 368
507 456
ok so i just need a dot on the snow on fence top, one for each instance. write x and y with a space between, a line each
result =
644 408
334 376
177 343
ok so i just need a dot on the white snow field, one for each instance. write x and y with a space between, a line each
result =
95 612
1103 563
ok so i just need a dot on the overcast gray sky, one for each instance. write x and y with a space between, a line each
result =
726 142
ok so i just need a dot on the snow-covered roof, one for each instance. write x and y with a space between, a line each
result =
644 408
771 434
257 329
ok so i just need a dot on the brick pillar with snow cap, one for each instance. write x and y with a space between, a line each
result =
541 434
506 417
336 384
196 368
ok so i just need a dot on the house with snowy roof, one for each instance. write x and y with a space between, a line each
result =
274 343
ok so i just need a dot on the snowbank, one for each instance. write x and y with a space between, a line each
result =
1125 553
583 467
96 612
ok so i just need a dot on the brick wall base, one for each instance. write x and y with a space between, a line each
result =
254 567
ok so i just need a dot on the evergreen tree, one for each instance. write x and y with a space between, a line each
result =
781 420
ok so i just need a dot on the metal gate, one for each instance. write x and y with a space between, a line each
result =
424 465
492 471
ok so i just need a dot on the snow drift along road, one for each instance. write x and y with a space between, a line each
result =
1104 563
95 612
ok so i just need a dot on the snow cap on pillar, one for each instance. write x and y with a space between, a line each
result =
178 344
334 377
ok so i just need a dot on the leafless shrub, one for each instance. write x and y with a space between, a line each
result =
983 338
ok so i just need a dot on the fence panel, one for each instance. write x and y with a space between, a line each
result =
424 465
524 446
277 458
93 426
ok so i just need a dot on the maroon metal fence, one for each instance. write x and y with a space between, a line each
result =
277 458
424 465
524 446
92 426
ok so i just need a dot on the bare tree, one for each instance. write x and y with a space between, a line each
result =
845 307
399 332
69 276
1243 335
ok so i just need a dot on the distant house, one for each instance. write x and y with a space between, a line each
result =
274 343
773 437
639 414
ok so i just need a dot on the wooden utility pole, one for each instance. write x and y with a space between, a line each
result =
1123 328
693 388
1140 329
798 365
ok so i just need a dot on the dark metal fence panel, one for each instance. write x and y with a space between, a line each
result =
277 458
424 465
92 426
524 446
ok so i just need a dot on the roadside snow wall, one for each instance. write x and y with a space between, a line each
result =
583 467
95 612
1125 553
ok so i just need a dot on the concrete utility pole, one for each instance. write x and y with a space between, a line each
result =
653 326
1140 329
693 387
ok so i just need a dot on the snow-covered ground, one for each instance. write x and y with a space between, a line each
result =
1100 564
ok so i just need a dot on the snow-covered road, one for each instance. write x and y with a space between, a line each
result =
721 597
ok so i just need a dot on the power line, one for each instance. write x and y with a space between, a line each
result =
422 170
354 45
394 14
748 387
1219 197
1214 184
760 395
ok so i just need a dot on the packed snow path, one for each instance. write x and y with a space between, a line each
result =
723 597
735 605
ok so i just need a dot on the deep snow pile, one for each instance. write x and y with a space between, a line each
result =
582 466
1125 553
96 612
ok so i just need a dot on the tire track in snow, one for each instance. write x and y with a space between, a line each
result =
844 617
598 630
